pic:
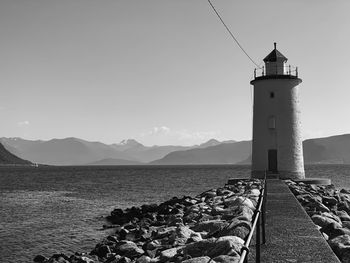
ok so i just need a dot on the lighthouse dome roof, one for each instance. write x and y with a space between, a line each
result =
274 56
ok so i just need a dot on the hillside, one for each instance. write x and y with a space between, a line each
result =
7 158
329 150
225 153
68 151
333 149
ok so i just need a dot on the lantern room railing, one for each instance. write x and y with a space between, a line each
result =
287 70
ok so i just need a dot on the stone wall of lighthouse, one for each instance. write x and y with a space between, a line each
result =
277 126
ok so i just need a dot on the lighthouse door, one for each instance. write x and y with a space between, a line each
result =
272 156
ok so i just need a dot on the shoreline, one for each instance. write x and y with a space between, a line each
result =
211 226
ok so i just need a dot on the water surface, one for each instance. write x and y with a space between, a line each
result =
47 210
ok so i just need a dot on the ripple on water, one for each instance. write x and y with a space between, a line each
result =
37 222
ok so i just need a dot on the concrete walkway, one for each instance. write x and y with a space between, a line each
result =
291 236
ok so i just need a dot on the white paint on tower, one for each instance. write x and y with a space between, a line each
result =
277 142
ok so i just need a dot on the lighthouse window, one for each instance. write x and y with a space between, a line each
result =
272 122
272 95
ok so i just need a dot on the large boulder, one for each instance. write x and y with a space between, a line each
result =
212 247
169 254
240 228
181 235
323 221
129 249
239 201
341 247
199 249
227 245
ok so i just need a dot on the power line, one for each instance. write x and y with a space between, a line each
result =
229 31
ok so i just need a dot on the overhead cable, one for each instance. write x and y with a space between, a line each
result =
229 31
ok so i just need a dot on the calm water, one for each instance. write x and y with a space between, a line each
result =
61 209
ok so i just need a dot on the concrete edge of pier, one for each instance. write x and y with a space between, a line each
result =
291 236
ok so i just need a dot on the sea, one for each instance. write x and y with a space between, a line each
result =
48 210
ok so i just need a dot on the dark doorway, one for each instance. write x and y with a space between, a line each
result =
272 155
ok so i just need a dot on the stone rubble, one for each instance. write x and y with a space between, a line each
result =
329 209
209 227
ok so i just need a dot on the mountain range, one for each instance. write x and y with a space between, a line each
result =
75 151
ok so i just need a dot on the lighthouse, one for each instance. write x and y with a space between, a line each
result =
277 143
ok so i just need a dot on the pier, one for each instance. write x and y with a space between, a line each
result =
291 236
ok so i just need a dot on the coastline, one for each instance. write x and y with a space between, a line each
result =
211 226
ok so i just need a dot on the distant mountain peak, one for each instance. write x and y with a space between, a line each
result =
130 142
211 142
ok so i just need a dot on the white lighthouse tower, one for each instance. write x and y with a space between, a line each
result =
277 143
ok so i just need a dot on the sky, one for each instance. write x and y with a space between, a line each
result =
164 71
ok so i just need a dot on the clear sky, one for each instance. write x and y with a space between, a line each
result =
164 71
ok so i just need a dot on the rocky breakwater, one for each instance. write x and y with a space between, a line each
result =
209 227
329 209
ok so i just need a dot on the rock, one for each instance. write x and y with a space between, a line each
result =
181 235
143 259
344 216
227 259
318 206
211 226
195 237
102 251
240 201
331 230
113 239
175 220
329 201
59 258
153 245
332 216
323 221
129 249
346 224
237 227
341 247
342 205
212 247
113 258
40 259
191 217
152 253
227 245
241 213
169 254
339 232
199 260
209 194
198 249
124 260
164 231
224 192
